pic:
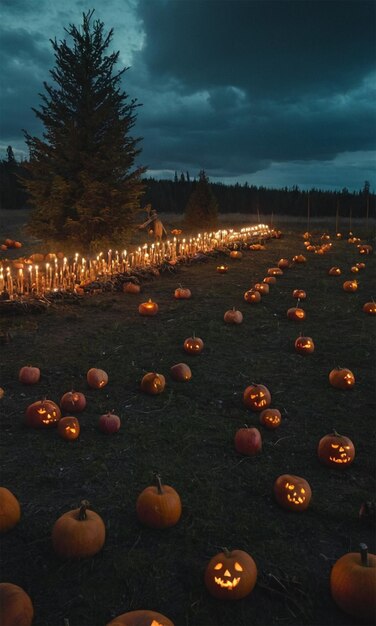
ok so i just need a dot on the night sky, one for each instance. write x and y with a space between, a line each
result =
275 93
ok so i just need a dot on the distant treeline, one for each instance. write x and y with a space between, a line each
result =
171 196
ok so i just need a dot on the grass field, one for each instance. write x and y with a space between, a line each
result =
186 434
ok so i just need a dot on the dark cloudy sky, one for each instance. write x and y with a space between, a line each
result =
272 92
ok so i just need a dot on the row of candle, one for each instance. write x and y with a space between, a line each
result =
39 274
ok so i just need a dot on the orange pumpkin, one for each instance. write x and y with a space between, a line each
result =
252 296
284 264
236 254
96 378
299 293
182 293
270 418
42 414
270 280
341 378
231 575
292 492
193 345
350 285
296 314
141 618
233 317
299 258
369 308
334 271
222 269
275 271
181 372
73 402
336 450
256 397
79 533
153 383
148 308
262 288
304 345
29 375
16 607
10 510
353 584
248 441
131 288
159 506
68 428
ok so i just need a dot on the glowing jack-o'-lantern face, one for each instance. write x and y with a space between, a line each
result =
193 345
153 383
231 575
275 271
296 314
350 285
304 345
252 296
270 418
292 492
96 378
334 271
336 450
222 269
42 414
68 428
342 378
257 397
369 308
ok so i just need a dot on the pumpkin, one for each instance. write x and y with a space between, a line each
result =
148 308
362 249
304 345
236 254
231 575
73 402
296 314
292 492
96 378
109 423
270 418
299 258
29 375
350 285
341 378
248 441
299 293
354 269
181 372
353 584
182 293
284 264
336 450
360 266
131 288
79 533
256 397
68 428
222 269
233 317
153 383
141 618
16 607
334 271
193 345
270 280
262 288
252 296
369 308
10 510
275 271
159 506
42 414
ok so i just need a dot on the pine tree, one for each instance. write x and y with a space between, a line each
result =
81 182
202 207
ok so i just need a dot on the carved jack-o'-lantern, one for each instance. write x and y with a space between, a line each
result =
270 418
96 378
275 271
334 271
141 618
369 308
153 383
284 264
350 285
73 402
231 575
222 269
42 414
148 308
292 492
299 258
270 280
257 397
336 450
68 428
341 378
236 254
296 314
262 288
299 293
193 345
252 296
365 249
304 345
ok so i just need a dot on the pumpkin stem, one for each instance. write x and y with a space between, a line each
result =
336 433
82 512
226 552
363 548
159 484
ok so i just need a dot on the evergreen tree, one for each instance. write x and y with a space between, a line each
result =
81 184
10 155
202 207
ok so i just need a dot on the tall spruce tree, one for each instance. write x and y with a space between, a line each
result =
202 206
82 185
